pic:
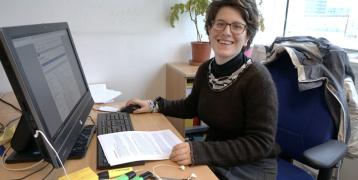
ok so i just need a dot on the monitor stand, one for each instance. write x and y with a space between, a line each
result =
23 143
31 155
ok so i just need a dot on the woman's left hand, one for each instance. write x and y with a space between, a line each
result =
181 154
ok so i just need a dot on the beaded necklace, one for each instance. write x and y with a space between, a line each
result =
220 84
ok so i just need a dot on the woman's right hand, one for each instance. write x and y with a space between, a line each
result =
144 105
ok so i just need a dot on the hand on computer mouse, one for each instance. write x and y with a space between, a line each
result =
130 108
144 105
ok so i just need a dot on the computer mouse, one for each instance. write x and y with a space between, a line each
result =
130 108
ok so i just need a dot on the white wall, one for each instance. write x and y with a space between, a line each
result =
124 43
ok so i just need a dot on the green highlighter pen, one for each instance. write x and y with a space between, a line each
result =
126 176
143 176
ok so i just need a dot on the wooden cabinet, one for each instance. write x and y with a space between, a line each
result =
179 80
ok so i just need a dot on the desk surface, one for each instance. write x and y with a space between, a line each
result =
146 122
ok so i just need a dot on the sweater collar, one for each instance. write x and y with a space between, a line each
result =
229 67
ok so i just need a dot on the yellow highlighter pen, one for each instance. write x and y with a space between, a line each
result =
114 173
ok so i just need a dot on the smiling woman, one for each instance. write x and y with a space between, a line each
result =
233 95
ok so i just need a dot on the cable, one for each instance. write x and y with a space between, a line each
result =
5 102
2 128
19 169
11 121
92 119
182 168
48 173
32 173
161 165
7 131
53 149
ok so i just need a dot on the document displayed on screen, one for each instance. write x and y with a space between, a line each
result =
49 62
129 146
49 50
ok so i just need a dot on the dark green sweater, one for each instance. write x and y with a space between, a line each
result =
242 118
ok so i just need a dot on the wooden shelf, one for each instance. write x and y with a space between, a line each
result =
179 76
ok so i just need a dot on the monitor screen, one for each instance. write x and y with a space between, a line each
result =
45 73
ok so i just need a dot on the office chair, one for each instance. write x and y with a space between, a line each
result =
306 132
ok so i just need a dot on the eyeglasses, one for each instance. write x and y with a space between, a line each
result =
236 27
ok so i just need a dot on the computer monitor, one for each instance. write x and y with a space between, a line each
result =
46 76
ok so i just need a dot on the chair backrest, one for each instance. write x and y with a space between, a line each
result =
304 119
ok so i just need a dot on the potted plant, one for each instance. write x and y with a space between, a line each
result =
200 49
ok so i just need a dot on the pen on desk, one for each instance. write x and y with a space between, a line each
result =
114 173
126 176
144 176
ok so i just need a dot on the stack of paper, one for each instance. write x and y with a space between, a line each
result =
129 146
101 94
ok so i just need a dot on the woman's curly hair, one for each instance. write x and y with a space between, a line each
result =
247 9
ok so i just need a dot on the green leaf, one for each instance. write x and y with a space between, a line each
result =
194 8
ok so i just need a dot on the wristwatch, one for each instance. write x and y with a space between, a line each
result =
156 104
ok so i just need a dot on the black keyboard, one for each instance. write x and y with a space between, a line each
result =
110 123
80 148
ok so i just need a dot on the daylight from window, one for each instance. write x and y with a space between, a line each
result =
336 20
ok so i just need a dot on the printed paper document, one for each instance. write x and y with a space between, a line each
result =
101 94
129 146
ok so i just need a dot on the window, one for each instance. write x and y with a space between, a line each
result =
336 20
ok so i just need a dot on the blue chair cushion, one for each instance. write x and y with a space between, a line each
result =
304 119
288 171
